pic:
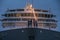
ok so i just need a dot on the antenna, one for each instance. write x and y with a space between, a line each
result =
49 10
31 9
32 2
50 16
28 2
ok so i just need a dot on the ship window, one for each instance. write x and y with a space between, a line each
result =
11 10
51 25
5 15
47 24
20 9
48 16
22 15
31 14
11 19
14 15
37 10
8 25
41 20
53 15
45 15
8 15
11 15
4 20
27 14
24 19
36 14
18 14
47 20
41 15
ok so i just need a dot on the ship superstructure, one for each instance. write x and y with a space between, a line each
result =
28 17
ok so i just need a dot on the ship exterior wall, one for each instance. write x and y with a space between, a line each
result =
29 34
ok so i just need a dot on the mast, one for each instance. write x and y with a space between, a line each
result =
50 17
29 8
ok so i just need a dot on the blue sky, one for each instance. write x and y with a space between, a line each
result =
40 4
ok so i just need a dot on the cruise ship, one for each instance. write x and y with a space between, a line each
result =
29 23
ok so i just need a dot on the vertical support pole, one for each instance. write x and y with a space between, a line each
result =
49 17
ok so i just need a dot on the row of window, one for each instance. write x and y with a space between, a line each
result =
24 19
15 10
23 10
8 24
53 25
28 14
11 19
47 20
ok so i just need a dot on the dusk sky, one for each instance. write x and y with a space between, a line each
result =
40 4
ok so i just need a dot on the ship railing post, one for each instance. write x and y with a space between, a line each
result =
49 17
